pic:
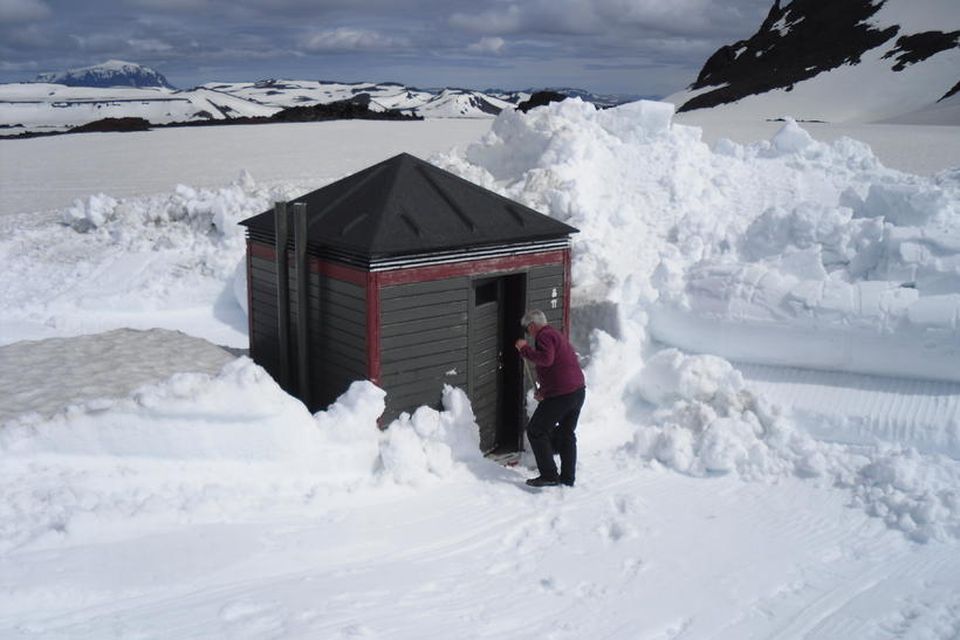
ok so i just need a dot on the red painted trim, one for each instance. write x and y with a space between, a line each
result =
260 250
249 299
334 270
567 286
476 267
373 327
339 271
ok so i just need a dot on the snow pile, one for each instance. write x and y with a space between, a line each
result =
706 421
240 414
198 447
738 249
170 260
909 493
703 421
177 221
431 444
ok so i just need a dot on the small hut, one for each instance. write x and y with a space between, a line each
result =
414 278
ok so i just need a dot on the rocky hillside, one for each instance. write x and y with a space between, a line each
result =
881 58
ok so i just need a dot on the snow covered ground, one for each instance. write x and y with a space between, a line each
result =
45 174
713 500
923 150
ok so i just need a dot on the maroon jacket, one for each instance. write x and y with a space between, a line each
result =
557 366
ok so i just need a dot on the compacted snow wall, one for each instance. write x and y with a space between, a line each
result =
788 251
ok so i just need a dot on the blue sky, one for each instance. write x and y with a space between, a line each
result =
641 47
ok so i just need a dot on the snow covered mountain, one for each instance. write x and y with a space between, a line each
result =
42 107
430 103
113 73
53 107
856 60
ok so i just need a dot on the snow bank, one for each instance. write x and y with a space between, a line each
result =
201 446
790 251
170 260
703 421
721 246
240 414
431 444
178 221
44 376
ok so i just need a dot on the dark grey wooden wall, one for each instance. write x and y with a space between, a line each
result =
338 337
264 334
423 342
545 292
423 332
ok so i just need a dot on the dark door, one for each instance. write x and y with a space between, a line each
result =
495 382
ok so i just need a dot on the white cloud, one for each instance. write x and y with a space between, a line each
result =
507 20
170 5
350 39
603 17
100 42
23 10
492 45
149 45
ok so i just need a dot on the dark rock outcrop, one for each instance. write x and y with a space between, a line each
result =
113 124
356 109
954 91
920 46
540 99
793 44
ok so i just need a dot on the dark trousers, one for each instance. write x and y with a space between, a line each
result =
552 429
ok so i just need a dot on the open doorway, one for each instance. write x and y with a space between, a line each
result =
495 383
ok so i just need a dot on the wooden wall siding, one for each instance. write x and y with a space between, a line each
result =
545 291
338 337
423 342
264 338
483 385
338 349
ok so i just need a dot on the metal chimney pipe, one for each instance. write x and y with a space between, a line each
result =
283 292
303 300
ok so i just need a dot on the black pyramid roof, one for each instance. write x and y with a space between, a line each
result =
405 205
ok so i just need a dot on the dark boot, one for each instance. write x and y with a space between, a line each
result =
540 481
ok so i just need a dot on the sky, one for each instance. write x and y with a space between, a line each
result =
639 47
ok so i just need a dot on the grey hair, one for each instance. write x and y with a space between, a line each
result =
534 316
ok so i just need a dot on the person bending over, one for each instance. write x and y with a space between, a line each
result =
561 394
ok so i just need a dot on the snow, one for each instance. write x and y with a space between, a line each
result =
50 174
868 91
921 150
56 107
739 249
714 499
170 259
89 367
943 112
51 107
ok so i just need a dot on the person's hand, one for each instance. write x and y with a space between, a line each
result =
520 344
538 395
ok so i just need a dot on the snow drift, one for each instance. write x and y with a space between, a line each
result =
739 249
197 445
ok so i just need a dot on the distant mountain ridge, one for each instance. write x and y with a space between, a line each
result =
117 90
845 59
113 73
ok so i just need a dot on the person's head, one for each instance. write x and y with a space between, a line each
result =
533 321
